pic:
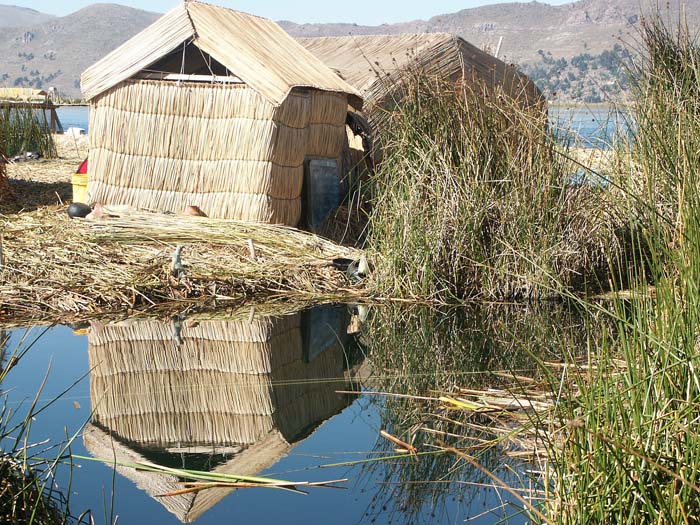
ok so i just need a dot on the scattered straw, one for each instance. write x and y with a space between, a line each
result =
55 266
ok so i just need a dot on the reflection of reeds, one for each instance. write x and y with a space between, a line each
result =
23 130
474 380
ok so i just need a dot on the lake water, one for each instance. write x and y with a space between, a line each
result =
74 116
593 126
254 394
589 127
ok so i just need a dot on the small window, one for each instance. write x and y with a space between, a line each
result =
322 191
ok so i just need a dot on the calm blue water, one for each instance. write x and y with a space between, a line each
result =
251 396
74 116
582 126
589 127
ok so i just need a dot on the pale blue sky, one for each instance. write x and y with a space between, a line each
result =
370 12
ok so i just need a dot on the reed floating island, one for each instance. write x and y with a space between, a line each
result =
55 267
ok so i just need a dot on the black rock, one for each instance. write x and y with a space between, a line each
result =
78 209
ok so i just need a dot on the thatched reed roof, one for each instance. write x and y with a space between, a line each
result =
245 389
23 94
254 49
375 64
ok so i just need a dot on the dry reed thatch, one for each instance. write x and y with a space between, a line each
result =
58 267
238 386
256 50
376 65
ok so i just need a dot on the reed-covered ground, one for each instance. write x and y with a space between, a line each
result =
55 267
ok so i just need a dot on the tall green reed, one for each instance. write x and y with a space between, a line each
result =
473 199
22 130
632 451
28 492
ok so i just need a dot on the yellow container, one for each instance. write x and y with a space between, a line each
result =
80 187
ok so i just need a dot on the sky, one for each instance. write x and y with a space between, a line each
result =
368 12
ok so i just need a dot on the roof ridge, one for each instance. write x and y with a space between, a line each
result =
186 2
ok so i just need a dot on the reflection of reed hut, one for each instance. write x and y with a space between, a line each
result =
228 396
377 65
213 108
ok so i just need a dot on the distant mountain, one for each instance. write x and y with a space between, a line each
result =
567 30
55 52
566 48
13 16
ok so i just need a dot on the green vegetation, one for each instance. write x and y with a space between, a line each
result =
473 199
631 453
25 130
620 439
27 493
586 78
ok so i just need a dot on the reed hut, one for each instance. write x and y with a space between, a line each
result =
217 109
227 395
378 65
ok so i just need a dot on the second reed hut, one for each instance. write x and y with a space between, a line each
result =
213 108
378 65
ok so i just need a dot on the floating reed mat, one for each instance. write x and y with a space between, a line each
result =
53 266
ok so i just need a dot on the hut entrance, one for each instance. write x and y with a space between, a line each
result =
322 191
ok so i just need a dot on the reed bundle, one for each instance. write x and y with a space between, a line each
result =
57 267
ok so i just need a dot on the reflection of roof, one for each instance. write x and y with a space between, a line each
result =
254 49
186 507
23 94
244 388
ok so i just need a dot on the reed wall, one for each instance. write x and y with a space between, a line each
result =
163 146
